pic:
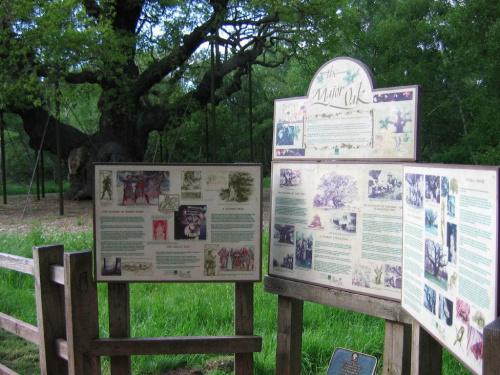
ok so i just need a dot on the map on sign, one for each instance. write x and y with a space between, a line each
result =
344 117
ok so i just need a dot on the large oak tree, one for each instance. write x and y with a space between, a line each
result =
151 60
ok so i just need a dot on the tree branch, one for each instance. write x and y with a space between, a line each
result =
92 8
179 56
35 120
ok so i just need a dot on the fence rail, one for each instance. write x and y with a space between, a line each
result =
67 332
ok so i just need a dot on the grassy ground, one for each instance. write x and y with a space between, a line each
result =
160 309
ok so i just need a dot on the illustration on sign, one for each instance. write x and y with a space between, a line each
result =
178 222
338 226
345 117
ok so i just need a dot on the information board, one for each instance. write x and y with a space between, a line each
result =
344 117
338 225
450 254
178 222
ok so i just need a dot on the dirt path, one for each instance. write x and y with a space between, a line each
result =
20 214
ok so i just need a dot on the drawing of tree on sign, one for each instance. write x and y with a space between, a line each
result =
430 299
403 117
431 221
436 260
239 189
414 190
335 191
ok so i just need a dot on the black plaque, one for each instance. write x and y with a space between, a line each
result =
348 362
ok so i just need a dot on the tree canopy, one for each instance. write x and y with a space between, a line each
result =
149 59
123 74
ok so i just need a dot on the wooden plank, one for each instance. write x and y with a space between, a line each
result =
397 348
6 371
176 345
16 263
289 340
427 353
57 274
385 309
50 308
243 325
62 348
82 321
19 328
119 324
491 345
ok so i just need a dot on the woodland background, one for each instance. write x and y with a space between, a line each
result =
195 81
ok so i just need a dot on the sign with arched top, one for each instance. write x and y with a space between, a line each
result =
345 117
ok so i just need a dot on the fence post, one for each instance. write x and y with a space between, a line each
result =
491 345
49 308
243 325
119 323
82 320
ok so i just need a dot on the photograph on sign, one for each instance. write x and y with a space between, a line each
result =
338 225
450 254
178 222
344 117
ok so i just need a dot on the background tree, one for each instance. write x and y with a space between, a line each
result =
133 77
149 60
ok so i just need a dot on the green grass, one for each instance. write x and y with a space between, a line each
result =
21 189
266 182
193 309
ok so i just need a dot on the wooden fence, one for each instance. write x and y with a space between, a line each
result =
68 329
67 332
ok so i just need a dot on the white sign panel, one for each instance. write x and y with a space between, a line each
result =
345 117
450 254
338 225
171 222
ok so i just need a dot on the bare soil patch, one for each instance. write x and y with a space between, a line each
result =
21 213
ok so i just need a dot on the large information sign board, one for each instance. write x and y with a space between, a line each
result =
171 222
450 254
338 225
344 117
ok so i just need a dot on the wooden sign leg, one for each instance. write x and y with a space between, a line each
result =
289 345
397 348
119 323
243 325
427 353
491 360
